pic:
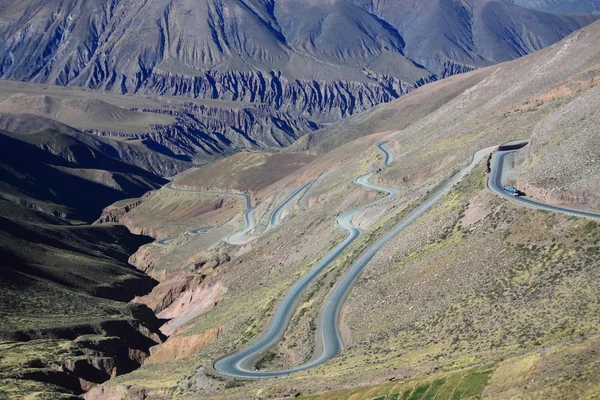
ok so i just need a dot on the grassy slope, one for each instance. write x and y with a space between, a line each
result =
457 385
61 281
57 276
474 281
394 116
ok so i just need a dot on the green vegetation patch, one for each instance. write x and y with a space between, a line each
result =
17 359
434 389
471 385
461 384
420 391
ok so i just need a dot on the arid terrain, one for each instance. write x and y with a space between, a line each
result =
214 77
117 206
479 296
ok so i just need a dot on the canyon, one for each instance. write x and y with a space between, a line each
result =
136 136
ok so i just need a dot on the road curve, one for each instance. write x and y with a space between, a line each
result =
328 339
200 231
166 241
240 364
389 157
237 238
277 214
246 197
495 184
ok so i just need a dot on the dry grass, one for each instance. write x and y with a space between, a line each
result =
244 172
475 281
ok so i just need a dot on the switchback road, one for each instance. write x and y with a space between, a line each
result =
328 339
499 169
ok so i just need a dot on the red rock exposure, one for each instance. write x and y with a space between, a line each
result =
178 347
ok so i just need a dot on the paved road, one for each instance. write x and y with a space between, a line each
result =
328 339
389 157
277 214
500 169
240 364
165 242
237 238
200 231
195 232
246 197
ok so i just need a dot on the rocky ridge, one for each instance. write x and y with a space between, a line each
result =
307 64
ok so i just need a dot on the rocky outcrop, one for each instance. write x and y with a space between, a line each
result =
112 214
179 347
143 260
212 131
167 292
323 100
125 290
181 297
282 110
450 68
119 392
97 353
194 301
579 199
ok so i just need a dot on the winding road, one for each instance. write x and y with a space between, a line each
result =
328 339
389 157
499 167
241 364
166 241
277 214
237 238
200 231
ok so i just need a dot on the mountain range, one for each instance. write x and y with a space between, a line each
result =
560 6
116 285
304 63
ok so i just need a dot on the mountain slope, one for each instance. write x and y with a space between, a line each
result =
235 50
560 6
65 324
67 175
449 36
323 60
476 281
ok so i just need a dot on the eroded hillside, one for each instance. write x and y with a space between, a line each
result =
278 69
477 290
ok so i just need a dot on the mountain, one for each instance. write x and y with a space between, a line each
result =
68 174
303 63
478 297
448 36
66 324
164 134
560 6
